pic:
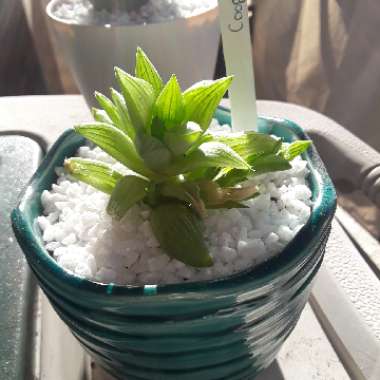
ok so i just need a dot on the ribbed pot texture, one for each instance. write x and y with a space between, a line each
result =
226 329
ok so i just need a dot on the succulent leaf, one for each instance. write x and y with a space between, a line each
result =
270 163
124 119
170 106
94 173
109 108
179 232
220 155
146 70
232 177
100 116
116 143
154 153
215 195
186 192
250 144
202 99
180 140
128 191
139 97
209 154
202 174
295 149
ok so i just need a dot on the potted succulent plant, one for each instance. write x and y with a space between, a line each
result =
183 250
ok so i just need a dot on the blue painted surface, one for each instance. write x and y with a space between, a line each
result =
224 329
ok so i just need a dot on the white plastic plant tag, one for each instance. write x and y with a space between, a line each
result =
238 57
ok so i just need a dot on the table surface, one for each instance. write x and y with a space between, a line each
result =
338 336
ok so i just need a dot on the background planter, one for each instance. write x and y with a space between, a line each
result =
185 46
230 328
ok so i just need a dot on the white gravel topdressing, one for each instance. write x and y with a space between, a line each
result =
86 241
82 12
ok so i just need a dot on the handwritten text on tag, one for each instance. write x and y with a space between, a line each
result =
237 25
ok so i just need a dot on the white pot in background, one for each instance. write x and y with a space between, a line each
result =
187 47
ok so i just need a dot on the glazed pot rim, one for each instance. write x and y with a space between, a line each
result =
52 3
274 271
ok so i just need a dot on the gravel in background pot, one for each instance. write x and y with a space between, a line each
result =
92 50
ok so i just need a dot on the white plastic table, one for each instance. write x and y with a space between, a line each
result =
338 335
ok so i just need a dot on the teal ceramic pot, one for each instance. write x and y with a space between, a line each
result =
226 329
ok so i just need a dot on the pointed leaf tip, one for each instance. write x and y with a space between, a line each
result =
202 99
139 97
295 149
116 143
170 107
125 123
146 70
96 174
107 105
209 155
100 116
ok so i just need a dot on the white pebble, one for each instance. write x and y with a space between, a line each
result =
285 233
70 239
43 222
271 238
83 270
51 247
227 254
130 258
49 233
69 261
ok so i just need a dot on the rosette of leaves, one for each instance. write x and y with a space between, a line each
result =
176 166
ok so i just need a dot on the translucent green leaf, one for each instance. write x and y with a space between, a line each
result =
201 140
128 191
124 119
250 144
239 194
232 177
215 195
186 192
179 232
170 107
209 154
109 108
202 174
146 70
202 99
180 140
139 97
154 153
216 154
100 116
157 128
270 163
295 149
94 173
116 143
